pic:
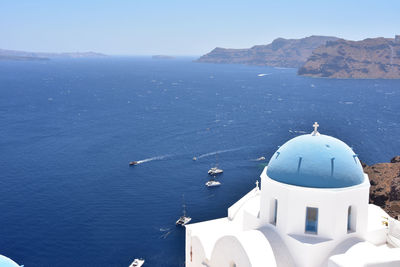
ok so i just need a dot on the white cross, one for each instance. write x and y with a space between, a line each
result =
257 184
316 125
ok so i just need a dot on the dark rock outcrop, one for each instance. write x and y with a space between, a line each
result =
290 53
385 185
395 159
372 58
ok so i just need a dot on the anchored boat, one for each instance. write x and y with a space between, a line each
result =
137 263
183 219
213 183
215 171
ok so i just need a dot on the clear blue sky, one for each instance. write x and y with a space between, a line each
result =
185 27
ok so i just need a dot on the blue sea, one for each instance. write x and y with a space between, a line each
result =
68 129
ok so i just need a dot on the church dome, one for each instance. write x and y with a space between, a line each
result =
317 161
7 262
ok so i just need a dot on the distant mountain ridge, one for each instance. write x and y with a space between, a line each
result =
281 52
23 55
370 58
162 57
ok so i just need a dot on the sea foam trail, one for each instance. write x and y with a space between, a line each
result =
153 158
294 131
218 152
165 235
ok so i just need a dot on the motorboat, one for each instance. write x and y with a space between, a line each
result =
133 163
194 158
213 183
215 171
137 263
261 158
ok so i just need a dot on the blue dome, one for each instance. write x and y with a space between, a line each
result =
7 262
317 161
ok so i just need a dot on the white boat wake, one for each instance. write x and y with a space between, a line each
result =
165 235
294 131
219 152
153 158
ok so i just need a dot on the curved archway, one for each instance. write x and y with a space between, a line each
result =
245 249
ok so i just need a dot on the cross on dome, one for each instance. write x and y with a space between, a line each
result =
315 132
315 125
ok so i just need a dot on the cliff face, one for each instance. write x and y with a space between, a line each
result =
290 53
385 185
370 58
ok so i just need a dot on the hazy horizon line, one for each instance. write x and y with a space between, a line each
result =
173 54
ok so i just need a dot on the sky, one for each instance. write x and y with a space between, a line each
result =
179 27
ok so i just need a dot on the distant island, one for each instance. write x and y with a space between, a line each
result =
162 57
320 56
22 55
290 53
369 58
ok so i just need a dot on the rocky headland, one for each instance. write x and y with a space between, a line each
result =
374 58
290 53
385 185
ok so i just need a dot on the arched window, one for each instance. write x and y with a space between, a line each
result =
311 220
274 211
351 220
232 264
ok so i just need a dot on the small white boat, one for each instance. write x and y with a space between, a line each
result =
194 158
137 263
212 183
183 219
215 171
261 158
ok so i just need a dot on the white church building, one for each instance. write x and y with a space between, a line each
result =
311 210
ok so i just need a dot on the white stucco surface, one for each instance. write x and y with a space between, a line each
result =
267 227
